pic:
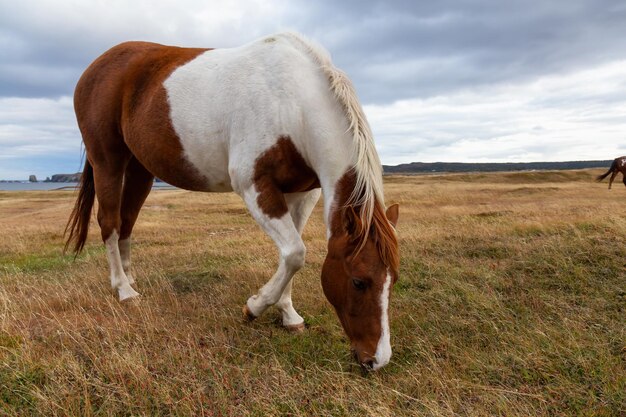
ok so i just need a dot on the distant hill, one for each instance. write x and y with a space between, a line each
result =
429 167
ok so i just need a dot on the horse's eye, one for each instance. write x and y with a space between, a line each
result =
359 284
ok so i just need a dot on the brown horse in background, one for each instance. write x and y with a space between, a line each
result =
618 165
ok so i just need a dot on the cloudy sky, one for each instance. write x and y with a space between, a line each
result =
469 81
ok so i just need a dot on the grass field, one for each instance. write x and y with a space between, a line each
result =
511 302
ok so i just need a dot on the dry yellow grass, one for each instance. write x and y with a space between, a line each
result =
510 302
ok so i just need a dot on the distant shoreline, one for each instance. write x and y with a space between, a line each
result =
413 167
59 186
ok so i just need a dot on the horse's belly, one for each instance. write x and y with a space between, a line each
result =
203 167
212 166
210 159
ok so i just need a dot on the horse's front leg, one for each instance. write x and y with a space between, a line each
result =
270 210
300 207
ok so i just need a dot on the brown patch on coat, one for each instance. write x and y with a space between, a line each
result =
279 170
122 109
137 186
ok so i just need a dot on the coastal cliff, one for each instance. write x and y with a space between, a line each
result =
65 177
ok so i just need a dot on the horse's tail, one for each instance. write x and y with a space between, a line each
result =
606 174
78 223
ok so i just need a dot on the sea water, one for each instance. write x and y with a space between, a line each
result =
43 186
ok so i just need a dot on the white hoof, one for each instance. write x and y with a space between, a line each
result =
295 328
252 308
291 319
126 292
131 279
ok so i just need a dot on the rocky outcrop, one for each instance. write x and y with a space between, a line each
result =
32 178
65 177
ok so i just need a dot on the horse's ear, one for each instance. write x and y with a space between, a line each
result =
392 214
351 221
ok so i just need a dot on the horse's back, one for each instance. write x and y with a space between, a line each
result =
121 104
244 99
127 67
189 116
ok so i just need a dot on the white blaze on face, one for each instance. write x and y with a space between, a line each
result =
383 349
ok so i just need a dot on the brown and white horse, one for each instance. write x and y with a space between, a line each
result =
273 121
618 165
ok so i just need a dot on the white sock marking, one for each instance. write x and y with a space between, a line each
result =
119 280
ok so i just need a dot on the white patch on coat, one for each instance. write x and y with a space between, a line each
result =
383 349
228 106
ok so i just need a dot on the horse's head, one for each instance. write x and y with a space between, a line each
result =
357 276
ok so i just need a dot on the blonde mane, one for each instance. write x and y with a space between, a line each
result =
367 194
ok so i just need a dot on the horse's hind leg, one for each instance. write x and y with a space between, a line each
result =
137 186
612 178
108 175
300 208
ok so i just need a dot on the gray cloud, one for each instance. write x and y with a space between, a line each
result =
432 55
424 50
393 50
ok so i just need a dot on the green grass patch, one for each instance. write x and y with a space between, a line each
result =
18 382
50 260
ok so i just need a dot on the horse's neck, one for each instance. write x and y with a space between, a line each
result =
330 152
336 195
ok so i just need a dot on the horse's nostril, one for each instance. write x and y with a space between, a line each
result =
367 363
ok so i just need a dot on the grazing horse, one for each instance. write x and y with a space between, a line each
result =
273 121
618 165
